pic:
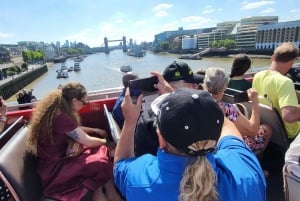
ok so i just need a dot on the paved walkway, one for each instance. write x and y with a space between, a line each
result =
9 78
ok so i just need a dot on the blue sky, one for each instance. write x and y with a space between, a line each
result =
89 21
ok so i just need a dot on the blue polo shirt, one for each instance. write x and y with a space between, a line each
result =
153 178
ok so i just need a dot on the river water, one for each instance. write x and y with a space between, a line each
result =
100 71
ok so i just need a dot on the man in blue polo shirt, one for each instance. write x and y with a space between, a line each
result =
201 155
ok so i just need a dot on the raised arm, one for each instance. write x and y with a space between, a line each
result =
250 126
229 129
131 112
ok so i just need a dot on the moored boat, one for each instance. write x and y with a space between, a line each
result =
191 56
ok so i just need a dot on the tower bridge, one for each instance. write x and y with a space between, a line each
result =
123 40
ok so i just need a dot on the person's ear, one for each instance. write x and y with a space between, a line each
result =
161 140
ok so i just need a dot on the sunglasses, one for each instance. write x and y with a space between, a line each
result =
84 102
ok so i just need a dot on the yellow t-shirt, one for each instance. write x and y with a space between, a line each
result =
280 90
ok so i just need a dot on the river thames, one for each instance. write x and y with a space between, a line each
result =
100 71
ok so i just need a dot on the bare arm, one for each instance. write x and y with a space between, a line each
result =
250 126
98 131
131 112
83 138
290 114
229 129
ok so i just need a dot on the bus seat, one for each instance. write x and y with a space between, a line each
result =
270 116
17 168
243 109
291 181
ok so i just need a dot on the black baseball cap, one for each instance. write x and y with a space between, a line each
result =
187 116
181 71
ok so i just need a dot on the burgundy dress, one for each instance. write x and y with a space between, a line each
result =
69 179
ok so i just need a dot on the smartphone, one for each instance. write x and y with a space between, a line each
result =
144 84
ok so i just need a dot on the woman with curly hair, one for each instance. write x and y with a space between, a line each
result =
65 173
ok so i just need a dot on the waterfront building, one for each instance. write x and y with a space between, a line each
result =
224 30
158 38
246 32
189 42
270 36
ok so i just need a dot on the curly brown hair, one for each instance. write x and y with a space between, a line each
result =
50 106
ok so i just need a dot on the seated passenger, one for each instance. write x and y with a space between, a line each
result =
279 89
69 175
117 110
177 75
241 64
199 157
255 135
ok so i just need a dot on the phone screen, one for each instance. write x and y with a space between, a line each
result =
144 84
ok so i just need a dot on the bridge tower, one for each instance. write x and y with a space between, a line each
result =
124 44
106 49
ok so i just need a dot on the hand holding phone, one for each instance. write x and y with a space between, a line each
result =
144 84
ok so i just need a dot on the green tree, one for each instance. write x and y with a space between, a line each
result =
165 45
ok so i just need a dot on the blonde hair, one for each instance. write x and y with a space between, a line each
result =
199 179
49 107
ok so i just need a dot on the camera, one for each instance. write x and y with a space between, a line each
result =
144 84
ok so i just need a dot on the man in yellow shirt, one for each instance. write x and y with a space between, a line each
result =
278 88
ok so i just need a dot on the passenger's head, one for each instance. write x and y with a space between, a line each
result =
187 116
285 52
191 121
128 76
73 90
240 65
179 74
215 80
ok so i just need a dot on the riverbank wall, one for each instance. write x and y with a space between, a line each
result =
11 87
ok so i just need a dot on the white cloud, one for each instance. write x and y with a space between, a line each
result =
163 6
161 14
257 4
160 10
6 35
267 11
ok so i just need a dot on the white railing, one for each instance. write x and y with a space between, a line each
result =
92 95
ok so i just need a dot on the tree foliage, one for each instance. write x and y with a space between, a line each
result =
228 43
165 45
31 56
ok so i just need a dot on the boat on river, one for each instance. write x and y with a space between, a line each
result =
62 74
126 68
17 165
77 66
